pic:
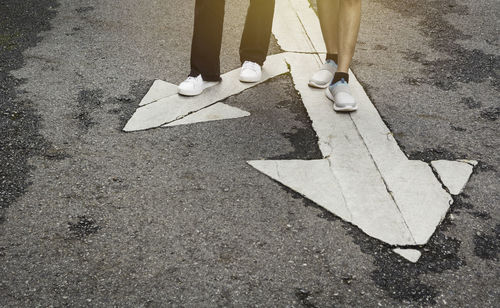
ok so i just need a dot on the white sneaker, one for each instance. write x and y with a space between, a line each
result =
250 72
324 76
340 94
193 86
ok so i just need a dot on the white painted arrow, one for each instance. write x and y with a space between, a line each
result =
364 177
388 196
160 109
161 90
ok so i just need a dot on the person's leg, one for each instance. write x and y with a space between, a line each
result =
349 22
257 32
207 39
205 48
328 13
349 16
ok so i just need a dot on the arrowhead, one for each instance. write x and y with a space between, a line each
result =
175 107
160 89
370 207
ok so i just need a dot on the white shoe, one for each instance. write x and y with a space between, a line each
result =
193 86
250 72
341 96
324 76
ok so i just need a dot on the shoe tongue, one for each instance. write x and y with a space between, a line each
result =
339 82
331 62
250 64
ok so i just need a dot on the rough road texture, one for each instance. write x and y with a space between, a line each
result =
431 68
175 217
19 121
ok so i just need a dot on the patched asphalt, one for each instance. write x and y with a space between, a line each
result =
20 24
93 216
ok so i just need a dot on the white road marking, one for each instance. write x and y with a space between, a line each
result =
411 255
344 191
469 161
285 21
160 89
175 107
310 24
311 178
215 112
453 174
365 178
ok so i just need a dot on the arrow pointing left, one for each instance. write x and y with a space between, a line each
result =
171 108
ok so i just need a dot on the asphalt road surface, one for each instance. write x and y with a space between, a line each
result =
93 216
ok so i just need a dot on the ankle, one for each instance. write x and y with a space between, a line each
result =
339 76
332 56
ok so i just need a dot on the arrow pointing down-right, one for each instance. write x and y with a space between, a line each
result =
364 177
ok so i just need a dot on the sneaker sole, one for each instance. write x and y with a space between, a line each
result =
249 80
324 85
189 93
335 107
318 86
